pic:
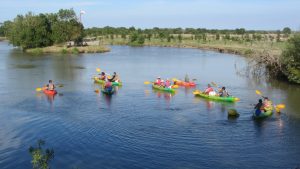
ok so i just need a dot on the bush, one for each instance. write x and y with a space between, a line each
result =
291 59
75 50
64 51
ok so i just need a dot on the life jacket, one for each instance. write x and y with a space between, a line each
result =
158 81
208 90
167 84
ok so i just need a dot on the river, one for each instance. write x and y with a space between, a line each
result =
138 127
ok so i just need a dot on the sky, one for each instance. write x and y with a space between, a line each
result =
212 14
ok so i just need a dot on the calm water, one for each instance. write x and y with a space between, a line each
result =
137 127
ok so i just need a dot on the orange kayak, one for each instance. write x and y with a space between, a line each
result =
185 84
50 92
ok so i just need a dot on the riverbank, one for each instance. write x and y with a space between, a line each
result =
69 50
248 49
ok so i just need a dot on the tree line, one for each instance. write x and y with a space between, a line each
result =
32 31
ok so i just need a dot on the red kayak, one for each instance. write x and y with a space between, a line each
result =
185 84
50 92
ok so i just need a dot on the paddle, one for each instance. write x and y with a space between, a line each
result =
147 82
41 88
98 69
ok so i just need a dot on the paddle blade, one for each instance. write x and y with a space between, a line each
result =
146 83
258 92
196 92
280 106
38 89
98 70
97 91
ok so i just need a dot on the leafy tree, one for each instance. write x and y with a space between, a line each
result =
240 31
287 30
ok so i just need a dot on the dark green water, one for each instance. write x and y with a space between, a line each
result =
138 127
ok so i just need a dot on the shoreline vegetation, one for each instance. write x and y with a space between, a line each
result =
69 50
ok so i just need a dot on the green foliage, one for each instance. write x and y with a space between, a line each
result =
64 51
136 39
32 31
180 38
75 50
287 30
291 59
240 31
40 157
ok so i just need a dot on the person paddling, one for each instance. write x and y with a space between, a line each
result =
168 83
186 78
115 78
158 81
209 90
258 107
50 85
102 76
223 92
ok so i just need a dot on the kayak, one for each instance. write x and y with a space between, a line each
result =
185 84
218 98
50 92
163 88
97 80
108 91
262 114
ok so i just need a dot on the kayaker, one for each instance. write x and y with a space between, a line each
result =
209 91
108 85
168 83
162 83
158 81
186 78
102 76
50 85
223 92
258 107
267 103
115 78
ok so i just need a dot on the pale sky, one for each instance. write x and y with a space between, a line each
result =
218 14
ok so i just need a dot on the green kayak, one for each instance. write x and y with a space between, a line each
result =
163 88
218 98
97 80
262 114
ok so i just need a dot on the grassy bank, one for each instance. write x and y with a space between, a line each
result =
249 49
70 50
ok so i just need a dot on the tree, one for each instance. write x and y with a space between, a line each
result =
32 31
287 30
240 31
